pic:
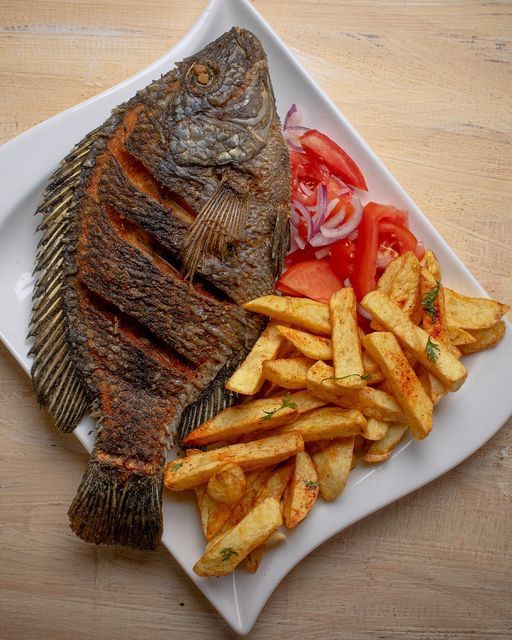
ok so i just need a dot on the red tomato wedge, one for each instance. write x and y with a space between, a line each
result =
342 258
312 279
391 232
318 145
375 217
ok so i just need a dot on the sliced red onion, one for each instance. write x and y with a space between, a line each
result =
321 208
353 236
305 189
383 259
364 313
292 135
336 219
295 218
309 222
347 283
331 204
293 118
322 253
296 240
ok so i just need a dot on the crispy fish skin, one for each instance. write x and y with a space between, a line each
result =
156 228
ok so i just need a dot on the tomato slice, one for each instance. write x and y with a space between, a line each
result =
300 255
391 232
318 145
365 262
342 258
312 279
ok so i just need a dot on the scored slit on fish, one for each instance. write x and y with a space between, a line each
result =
155 228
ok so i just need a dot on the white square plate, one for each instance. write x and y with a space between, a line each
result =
463 422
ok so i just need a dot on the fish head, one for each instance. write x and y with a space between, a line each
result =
223 105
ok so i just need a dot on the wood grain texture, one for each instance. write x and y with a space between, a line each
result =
428 84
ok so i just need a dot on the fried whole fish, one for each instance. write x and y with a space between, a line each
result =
156 227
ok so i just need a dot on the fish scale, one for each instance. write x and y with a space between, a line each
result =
155 229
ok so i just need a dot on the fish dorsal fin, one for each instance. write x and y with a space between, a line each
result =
56 384
220 222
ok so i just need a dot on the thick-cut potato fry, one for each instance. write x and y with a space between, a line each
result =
375 429
372 372
485 338
407 389
439 360
432 386
371 402
276 483
187 473
431 264
222 558
346 346
306 401
472 313
255 480
314 347
405 288
390 273
382 449
257 415
308 314
459 336
302 491
288 373
434 320
253 560
327 423
333 463
249 377
213 515
228 485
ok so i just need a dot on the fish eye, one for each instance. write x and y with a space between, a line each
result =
201 75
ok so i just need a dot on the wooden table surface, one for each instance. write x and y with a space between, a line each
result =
428 84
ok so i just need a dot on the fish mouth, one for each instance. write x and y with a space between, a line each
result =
266 110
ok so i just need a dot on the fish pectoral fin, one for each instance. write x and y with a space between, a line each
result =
220 222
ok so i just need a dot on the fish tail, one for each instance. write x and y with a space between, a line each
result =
115 506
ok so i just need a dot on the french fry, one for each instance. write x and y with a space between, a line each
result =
302 491
248 378
253 559
381 450
375 429
372 372
346 347
433 356
213 514
459 337
223 557
256 415
327 423
306 401
371 402
472 313
434 320
187 473
390 273
432 386
485 338
288 373
407 389
405 288
307 314
255 480
276 484
431 264
333 463
314 347
228 485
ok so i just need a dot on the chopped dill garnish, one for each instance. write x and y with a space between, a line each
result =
286 404
176 466
227 552
429 301
432 350
310 484
364 377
